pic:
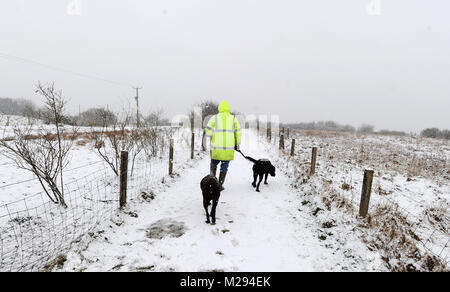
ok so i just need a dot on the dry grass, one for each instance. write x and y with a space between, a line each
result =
386 230
413 157
332 198
396 240
83 142
438 216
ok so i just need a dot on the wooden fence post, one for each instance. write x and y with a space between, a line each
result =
192 145
123 179
204 141
313 160
171 157
365 193
287 133
269 134
292 147
282 142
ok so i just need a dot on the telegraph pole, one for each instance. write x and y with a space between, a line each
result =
138 124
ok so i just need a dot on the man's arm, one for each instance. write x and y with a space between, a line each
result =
209 130
237 133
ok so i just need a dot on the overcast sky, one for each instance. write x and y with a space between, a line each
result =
304 60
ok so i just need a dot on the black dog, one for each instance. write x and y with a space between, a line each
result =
211 188
261 168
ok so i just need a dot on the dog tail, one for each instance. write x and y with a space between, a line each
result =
251 159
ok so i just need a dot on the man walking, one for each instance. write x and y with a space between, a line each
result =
225 132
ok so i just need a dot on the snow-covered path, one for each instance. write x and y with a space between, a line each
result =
254 232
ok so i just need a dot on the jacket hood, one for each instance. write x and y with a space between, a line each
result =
224 107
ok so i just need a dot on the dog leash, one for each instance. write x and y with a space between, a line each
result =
242 153
245 157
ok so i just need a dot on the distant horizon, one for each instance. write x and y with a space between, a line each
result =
376 129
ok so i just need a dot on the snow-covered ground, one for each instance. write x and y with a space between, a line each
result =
412 177
34 231
296 223
266 231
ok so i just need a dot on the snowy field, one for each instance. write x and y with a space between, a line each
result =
35 231
412 180
297 223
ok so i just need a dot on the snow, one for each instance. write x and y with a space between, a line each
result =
34 231
411 176
83 162
263 231
285 227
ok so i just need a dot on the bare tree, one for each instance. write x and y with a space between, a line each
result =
55 104
96 117
41 152
30 111
366 129
156 118
431 133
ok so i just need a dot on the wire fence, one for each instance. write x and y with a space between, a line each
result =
432 238
35 231
34 179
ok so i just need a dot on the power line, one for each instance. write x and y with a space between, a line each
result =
59 69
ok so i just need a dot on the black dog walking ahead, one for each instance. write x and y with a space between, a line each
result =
261 168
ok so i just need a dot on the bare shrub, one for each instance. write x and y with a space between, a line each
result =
331 197
41 152
114 138
111 140
155 140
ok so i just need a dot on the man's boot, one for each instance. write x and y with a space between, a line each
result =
222 179
213 170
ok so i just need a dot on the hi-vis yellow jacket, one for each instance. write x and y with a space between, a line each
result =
225 132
